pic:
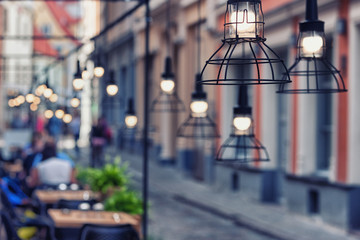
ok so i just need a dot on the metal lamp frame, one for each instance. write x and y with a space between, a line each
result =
198 127
242 147
261 54
312 69
167 103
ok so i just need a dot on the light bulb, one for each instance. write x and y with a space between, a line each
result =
112 89
11 103
167 86
312 46
33 107
67 118
242 123
54 97
78 84
199 108
243 24
40 90
99 72
21 99
75 102
131 121
30 97
48 92
48 114
37 100
59 113
85 74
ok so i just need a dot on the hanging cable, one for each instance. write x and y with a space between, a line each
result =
199 35
168 27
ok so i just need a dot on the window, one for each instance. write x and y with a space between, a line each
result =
324 122
46 29
5 20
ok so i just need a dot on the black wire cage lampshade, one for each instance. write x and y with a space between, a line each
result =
312 71
199 124
244 46
242 145
168 100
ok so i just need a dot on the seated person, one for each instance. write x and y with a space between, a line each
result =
51 168
13 192
30 151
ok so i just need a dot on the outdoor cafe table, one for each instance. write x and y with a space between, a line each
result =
53 196
75 219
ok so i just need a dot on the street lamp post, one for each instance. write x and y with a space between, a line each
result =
146 118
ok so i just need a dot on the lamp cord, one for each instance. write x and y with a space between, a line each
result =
198 34
168 6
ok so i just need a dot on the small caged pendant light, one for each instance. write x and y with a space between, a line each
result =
243 45
168 100
112 88
242 145
131 118
199 124
78 82
312 71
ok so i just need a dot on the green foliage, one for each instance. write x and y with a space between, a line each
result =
100 180
86 176
125 201
112 176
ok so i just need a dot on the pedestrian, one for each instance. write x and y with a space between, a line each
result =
98 142
54 128
30 151
75 130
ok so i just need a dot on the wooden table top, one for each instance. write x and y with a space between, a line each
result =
53 196
77 218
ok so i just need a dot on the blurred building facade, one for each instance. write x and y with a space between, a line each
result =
312 139
39 38
17 55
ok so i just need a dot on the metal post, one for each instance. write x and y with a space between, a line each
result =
146 120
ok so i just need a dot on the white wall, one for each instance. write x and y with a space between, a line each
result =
354 97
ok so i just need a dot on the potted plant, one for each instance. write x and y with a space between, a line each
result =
85 176
106 181
125 200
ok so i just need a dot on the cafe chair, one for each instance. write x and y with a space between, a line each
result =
71 204
20 220
9 228
98 232
24 231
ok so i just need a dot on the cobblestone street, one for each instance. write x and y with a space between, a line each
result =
175 220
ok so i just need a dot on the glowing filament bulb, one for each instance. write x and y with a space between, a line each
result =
242 123
243 24
130 121
312 46
199 108
167 86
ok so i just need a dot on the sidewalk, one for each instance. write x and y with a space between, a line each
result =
272 220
